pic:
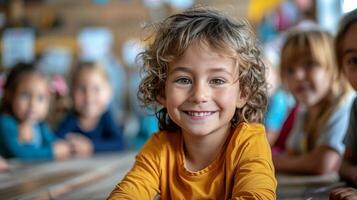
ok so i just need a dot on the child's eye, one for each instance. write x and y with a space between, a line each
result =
25 95
183 80
96 88
310 64
352 61
290 71
41 98
217 81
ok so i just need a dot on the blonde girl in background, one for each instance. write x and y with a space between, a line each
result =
308 69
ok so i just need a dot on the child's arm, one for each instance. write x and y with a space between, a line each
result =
142 181
67 125
254 178
112 137
345 193
61 148
325 157
9 135
321 160
348 168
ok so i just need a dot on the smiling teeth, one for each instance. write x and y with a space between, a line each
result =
199 114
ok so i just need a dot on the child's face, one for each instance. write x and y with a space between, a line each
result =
31 99
91 93
202 91
349 55
308 81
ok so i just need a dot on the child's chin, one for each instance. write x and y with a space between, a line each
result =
90 114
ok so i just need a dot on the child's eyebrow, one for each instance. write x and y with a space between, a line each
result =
220 70
348 51
178 69
184 69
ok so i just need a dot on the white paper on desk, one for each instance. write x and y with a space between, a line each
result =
18 46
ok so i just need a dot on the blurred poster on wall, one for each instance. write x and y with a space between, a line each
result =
56 61
95 43
18 46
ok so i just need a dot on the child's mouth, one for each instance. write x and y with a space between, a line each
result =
199 113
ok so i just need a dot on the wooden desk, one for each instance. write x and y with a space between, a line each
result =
94 178
296 187
51 180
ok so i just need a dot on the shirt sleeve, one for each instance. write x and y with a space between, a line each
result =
111 138
47 134
14 148
143 180
67 125
254 177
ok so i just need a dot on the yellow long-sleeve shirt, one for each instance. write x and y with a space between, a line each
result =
243 171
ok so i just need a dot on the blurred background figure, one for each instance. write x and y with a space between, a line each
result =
96 45
90 125
315 144
346 51
24 133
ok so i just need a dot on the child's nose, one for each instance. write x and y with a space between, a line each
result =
200 93
33 102
299 73
89 95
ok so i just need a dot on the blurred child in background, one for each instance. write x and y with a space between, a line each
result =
346 51
90 126
308 68
24 106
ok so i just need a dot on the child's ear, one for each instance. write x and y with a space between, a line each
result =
242 99
161 99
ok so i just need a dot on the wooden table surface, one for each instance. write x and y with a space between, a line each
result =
59 179
95 177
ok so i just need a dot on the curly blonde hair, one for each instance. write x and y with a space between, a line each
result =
175 34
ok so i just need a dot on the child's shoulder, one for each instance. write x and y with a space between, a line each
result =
245 131
254 128
6 118
8 124
164 137
163 140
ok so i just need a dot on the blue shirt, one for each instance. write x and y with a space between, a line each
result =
105 136
278 107
40 147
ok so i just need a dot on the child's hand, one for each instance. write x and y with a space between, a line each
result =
3 165
81 145
346 193
62 150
